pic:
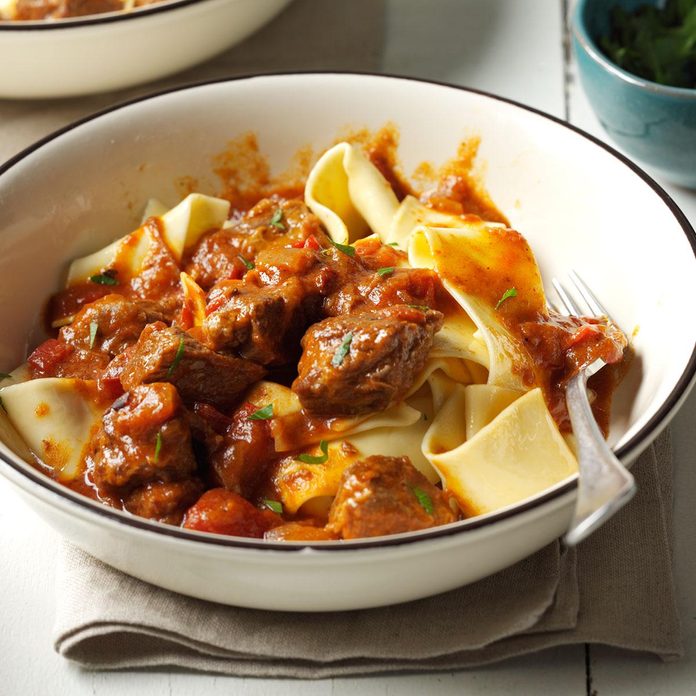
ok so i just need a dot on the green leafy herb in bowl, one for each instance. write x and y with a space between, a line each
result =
657 43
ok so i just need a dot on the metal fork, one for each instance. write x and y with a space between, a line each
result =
604 484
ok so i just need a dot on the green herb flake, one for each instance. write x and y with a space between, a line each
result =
263 413
347 249
510 292
4 375
342 350
158 446
106 278
273 505
387 270
247 264
423 499
177 358
421 307
277 219
93 328
316 459
393 244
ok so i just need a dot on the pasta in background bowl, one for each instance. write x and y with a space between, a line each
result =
525 156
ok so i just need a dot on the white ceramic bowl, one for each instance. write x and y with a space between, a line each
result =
98 53
580 204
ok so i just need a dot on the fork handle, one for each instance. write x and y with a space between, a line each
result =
604 484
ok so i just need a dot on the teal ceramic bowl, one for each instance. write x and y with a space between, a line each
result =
651 122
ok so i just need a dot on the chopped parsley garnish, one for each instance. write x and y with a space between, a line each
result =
4 375
394 244
342 350
347 249
316 459
248 264
423 499
273 505
277 219
387 270
93 328
421 307
158 446
177 358
263 413
510 292
106 278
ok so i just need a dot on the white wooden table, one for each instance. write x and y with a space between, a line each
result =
509 47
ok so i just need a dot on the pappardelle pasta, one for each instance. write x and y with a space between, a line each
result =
355 362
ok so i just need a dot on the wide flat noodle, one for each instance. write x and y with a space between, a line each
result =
477 264
483 403
519 454
153 208
349 194
298 483
459 337
455 369
292 428
182 227
128 253
412 214
56 418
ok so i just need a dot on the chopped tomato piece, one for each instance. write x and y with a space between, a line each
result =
46 358
223 512
312 243
583 333
309 243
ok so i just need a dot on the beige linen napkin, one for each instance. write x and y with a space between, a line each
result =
616 588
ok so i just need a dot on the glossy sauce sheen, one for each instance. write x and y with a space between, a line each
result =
176 447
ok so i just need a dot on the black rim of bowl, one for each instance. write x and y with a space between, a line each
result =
91 20
636 443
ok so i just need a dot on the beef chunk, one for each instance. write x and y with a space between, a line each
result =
402 286
322 270
56 9
166 354
221 255
263 324
118 320
223 512
159 278
241 457
164 502
81 8
364 362
386 495
101 330
276 265
144 438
